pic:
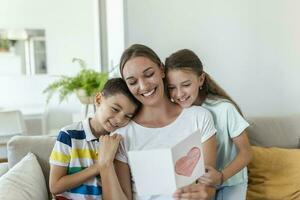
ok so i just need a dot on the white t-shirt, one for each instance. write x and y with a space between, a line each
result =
229 124
137 137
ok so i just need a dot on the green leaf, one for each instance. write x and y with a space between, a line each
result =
89 80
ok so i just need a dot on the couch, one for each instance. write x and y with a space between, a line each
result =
274 171
17 148
275 143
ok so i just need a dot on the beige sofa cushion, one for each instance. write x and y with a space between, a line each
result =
24 181
41 146
281 132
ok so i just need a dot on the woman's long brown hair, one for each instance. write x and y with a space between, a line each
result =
137 50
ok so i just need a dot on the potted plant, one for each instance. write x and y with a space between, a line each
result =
85 84
4 45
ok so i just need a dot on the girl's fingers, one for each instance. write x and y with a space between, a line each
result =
209 167
206 175
205 179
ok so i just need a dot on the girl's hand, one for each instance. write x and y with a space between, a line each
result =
212 177
107 149
195 191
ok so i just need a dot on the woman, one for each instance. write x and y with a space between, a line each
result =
159 123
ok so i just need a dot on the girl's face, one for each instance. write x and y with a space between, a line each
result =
183 86
144 80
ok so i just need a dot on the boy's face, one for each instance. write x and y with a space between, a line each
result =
114 111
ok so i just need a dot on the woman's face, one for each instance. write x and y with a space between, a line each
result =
144 80
183 86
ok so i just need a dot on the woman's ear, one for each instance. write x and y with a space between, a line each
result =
98 98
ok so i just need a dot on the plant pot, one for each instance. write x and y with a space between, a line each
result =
4 50
83 98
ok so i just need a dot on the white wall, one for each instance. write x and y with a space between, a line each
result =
115 30
71 31
250 47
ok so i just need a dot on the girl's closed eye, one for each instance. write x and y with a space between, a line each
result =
114 109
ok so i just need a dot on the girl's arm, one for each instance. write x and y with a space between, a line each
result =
115 175
214 177
60 182
243 157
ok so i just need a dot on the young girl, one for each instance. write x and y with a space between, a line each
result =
189 85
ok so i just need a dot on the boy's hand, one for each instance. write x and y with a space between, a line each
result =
107 149
212 177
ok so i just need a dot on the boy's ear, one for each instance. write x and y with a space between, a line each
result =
98 99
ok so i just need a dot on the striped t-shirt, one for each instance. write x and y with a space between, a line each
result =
76 148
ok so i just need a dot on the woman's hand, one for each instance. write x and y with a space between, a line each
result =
195 191
212 177
107 149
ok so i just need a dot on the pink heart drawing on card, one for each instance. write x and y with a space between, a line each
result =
185 165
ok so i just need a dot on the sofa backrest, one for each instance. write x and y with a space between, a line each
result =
281 132
41 146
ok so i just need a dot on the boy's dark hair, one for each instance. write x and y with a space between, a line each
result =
118 86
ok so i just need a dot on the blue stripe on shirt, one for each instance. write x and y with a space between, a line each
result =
87 190
64 138
75 134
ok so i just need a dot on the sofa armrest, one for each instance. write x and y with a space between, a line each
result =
3 168
41 146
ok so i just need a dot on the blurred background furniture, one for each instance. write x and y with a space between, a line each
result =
11 124
34 115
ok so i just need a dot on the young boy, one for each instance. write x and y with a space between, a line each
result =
74 172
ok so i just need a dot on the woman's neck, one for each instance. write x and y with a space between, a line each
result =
158 115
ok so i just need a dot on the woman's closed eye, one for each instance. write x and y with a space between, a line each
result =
148 75
186 85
